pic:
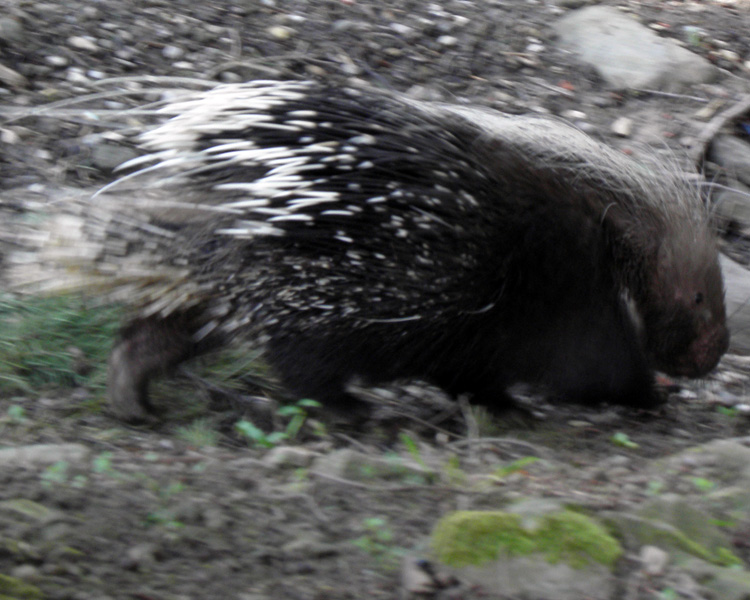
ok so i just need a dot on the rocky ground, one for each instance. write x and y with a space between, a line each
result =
188 508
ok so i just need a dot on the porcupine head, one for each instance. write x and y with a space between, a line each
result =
679 294
664 253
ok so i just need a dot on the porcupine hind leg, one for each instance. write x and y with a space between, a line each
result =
145 349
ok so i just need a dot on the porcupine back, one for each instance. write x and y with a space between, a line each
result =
357 233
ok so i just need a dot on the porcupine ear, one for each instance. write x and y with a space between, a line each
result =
635 243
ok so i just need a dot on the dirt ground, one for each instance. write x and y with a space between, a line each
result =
152 513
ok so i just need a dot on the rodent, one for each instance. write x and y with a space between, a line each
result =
358 233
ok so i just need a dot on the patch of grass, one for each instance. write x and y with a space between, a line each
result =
411 445
235 367
16 414
58 474
102 463
64 341
258 437
453 473
200 433
728 411
219 374
703 484
515 467
487 423
655 488
378 542
165 515
54 342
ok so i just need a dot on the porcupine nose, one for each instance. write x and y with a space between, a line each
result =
706 351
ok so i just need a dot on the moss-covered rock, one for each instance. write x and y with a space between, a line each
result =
478 537
12 588
674 524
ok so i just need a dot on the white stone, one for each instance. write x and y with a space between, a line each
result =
81 43
653 560
629 55
623 127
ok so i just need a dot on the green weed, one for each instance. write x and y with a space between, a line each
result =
200 433
624 441
296 413
378 542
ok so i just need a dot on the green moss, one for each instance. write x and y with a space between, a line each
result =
15 589
726 558
476 537
472 538
651 532
576 539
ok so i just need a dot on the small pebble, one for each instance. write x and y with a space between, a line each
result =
172 52
710 109
623 127
447 40
729 55
25 572
414 578
289 456
12 78
139 556
8 136
81 43
91 12
653 560
11 31
56 61
573 115
280 32
401 29
76 75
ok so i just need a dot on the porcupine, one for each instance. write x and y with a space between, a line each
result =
361 234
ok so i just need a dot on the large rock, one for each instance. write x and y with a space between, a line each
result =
536 550
737 284
627 54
